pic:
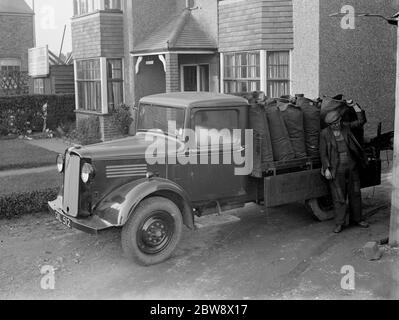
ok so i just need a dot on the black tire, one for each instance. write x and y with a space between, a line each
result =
321 209
152 232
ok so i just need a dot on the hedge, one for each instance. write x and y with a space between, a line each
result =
16 111
17 204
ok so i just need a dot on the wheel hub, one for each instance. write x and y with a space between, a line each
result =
156 233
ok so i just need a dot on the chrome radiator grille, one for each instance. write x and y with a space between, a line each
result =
71 185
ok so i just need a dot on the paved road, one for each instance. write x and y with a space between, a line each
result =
276 254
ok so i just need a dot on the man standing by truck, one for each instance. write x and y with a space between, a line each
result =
342 156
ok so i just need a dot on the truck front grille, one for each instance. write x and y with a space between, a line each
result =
71 185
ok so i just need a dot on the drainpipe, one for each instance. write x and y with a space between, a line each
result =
34 23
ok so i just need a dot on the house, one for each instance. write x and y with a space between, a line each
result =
16 37
16 34
125 50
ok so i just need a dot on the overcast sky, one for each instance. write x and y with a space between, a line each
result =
51 17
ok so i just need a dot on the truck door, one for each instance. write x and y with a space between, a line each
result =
213 177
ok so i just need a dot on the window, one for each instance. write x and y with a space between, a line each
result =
242 72
89 85
115 83
278 73
215 127
85 6
82 7
112 5
160 118
195 78
10 65
38 86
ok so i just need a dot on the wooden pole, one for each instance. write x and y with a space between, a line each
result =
394 227
62 42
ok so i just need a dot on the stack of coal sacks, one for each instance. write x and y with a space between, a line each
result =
287 128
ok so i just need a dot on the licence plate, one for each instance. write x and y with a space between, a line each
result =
64 220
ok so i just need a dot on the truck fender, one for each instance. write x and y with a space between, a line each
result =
117 207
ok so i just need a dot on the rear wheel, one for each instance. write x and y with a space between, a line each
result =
153 231
322 208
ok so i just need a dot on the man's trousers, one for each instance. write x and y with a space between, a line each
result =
345 188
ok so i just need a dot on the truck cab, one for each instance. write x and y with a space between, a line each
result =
191 156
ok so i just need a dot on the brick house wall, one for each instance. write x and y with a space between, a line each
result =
16 34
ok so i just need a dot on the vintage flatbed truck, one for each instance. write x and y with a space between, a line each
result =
119 185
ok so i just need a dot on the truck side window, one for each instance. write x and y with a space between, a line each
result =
215 127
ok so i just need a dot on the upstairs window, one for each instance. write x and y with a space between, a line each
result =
112 5
82 7
85 6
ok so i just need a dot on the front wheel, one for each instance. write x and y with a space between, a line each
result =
322 209
153 231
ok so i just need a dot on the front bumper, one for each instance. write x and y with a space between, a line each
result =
92 224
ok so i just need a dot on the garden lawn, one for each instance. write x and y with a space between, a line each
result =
17 154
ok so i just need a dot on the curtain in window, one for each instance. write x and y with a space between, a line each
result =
242 72
89 85
278 73
115 83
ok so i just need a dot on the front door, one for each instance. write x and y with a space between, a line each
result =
195 78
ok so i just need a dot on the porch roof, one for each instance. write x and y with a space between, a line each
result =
181 34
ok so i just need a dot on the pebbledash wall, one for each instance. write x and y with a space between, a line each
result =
277 46
359 63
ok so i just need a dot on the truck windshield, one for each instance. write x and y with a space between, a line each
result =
168 120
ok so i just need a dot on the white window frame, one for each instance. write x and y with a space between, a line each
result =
77 80
198 65
113 4
263 68
104 84
290 69
94 6
222 70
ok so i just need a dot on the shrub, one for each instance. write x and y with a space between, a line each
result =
19 113
87 131
122 118
17 204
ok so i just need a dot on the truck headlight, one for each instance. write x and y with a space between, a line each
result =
60 163
87 172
